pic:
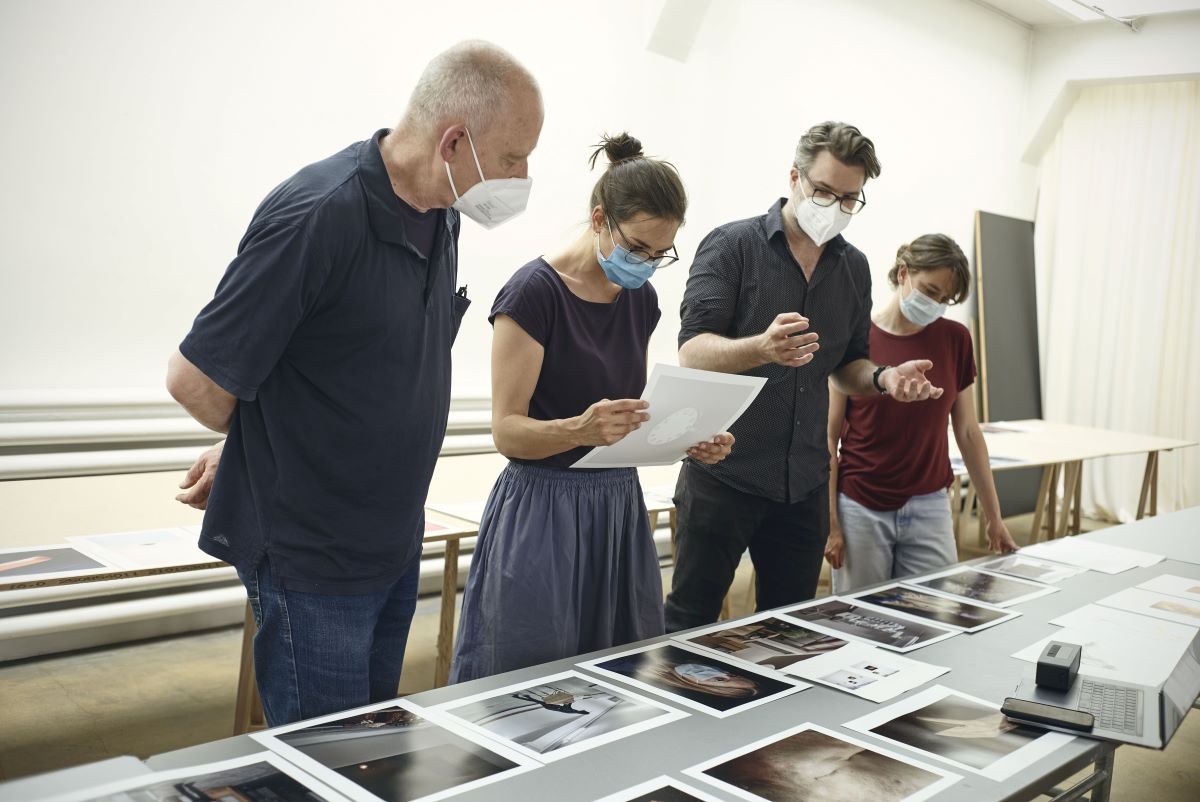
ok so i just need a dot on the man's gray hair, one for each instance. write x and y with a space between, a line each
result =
471 83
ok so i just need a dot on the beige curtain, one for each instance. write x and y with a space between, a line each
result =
1118 261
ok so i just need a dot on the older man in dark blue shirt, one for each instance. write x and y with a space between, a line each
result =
325 355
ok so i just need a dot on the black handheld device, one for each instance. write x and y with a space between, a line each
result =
1025 711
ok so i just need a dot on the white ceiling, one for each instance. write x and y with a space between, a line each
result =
1044 12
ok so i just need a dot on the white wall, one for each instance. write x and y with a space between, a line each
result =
1067 58
140 136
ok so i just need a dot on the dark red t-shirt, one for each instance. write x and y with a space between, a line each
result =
890 450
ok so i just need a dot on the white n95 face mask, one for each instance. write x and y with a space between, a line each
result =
821 223
493 200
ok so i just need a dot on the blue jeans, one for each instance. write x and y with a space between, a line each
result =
883 545
316 653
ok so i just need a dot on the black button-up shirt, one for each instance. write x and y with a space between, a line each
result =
743 276
334 333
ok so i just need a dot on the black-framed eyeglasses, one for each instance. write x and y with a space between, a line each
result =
850 204
639 256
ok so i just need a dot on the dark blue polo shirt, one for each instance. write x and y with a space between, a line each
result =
334 333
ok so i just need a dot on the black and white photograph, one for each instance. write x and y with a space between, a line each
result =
1019 565
394 753
812 764
869 624
30 565
559 715
253 778
695 678
942 610
767 640
661 789
982 586
962 730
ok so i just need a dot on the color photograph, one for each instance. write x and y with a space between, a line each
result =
960 729
694 678
812 764
768 641
392 753
943 610
559 715
981 586
22 565
869 624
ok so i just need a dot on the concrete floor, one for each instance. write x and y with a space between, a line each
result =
155 696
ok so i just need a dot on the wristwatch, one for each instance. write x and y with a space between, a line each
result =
875 378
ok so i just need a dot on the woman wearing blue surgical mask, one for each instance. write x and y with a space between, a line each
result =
565 562
889 511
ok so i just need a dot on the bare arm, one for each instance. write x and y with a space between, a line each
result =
783 343
516 365
904 382
835 546
975 455
204 399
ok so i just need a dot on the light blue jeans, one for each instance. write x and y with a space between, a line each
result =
914 539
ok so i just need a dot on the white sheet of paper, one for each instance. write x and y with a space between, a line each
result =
866 672
1092 555
151 548
1118 645
161 784
1181 586
686 407
951 739
1155 605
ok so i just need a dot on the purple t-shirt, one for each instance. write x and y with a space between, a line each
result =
592 350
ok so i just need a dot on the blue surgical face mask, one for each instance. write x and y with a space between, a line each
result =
620 270
921 309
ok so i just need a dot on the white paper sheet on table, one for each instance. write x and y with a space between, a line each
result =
1155 605
866 671
686 407
1181 586
1118 645
151 548
1092 555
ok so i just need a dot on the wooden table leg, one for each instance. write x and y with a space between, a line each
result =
1039 510
247 691
1070 481
445 639
1149 484
1052 501
1154 487
1076 527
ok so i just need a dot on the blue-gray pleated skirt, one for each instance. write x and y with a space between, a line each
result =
565 564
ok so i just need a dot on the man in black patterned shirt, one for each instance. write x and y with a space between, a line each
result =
785 297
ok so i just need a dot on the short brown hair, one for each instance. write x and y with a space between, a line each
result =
933 252
843 141
634 184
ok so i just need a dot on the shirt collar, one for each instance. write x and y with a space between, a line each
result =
383 206
774 227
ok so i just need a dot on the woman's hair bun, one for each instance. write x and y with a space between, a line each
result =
618 148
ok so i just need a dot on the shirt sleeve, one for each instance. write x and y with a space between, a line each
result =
859 346
269 287
966 359
714 281
527 300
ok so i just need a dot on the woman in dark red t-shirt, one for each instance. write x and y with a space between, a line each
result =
889 512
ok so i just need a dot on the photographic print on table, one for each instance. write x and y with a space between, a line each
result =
661 789
151 548
393 752
1155 605
262 776
982 586
695 678
867 672
943 610
962 730
1019 565
558 716
32 564
868 624
1181 586
765 640
809 763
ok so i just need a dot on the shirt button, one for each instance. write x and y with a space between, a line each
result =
801 389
